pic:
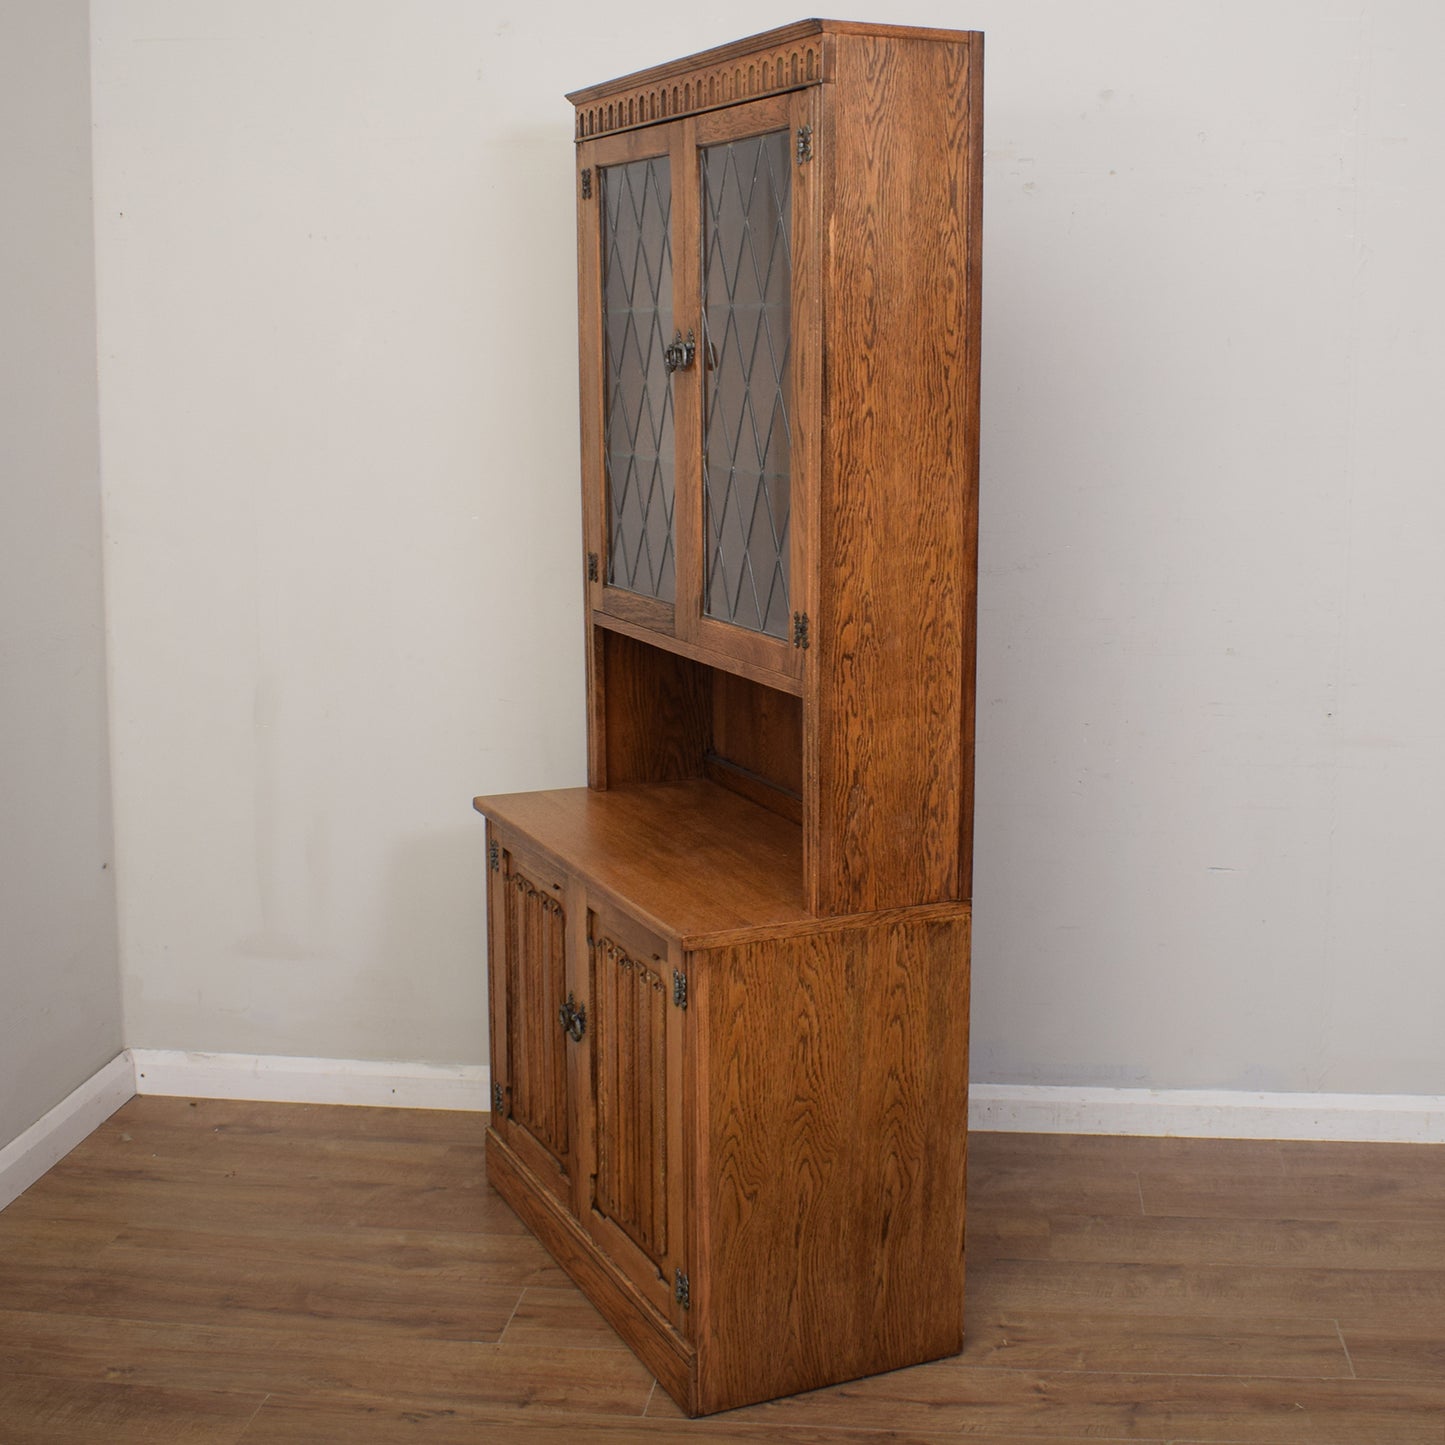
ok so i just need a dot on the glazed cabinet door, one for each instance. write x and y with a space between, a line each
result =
533 1001
701 366
757 384
630 347
635 1190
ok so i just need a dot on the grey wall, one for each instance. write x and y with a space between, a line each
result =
1210 761
337 351
60 1017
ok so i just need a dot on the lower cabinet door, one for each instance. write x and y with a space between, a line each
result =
532 1094
636 1025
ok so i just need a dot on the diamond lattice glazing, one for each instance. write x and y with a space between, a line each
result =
747 274
637 324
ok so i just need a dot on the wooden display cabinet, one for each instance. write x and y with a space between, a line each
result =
729 979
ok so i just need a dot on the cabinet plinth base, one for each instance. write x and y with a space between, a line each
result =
670 1359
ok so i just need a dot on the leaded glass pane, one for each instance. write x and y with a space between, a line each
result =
747 275
637 325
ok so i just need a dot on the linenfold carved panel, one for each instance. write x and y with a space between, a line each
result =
704 89
535 926
630 1048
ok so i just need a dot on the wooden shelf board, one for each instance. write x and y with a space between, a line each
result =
689 859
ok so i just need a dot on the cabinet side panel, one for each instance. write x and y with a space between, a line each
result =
892 655
832 1105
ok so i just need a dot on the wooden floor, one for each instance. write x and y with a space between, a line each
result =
228 1272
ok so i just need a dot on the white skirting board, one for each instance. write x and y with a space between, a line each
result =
1203 1113
1208 1113
1020 1108
277 1079
55 1134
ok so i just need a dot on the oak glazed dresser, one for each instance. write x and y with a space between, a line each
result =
729 978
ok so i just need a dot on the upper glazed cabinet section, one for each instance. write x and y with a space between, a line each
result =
779 286
695 240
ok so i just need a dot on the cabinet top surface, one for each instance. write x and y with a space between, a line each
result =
689 858
767 41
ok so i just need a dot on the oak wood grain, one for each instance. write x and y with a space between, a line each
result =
891 676
633 1204
831 1068
759 730
720 658
714 1150
654 707
665 717
685 859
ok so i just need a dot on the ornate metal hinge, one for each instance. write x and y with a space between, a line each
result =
800 630
678 354
805 143
573 1018
592 566
586 183
680 1290
498 1099
494 856
679 988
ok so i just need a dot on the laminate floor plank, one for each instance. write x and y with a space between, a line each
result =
340 1366
251 1204
267 1274
1385 1353
284 1422
1257 1243
1024 1182
1137 1343
1085 1154
951 1397
1396 1182
200 1151
559 1318
38 1411
40 1241
156 1113
413 1253
1363 1296
160 1288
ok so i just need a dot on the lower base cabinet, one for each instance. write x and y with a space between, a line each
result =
747 1146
